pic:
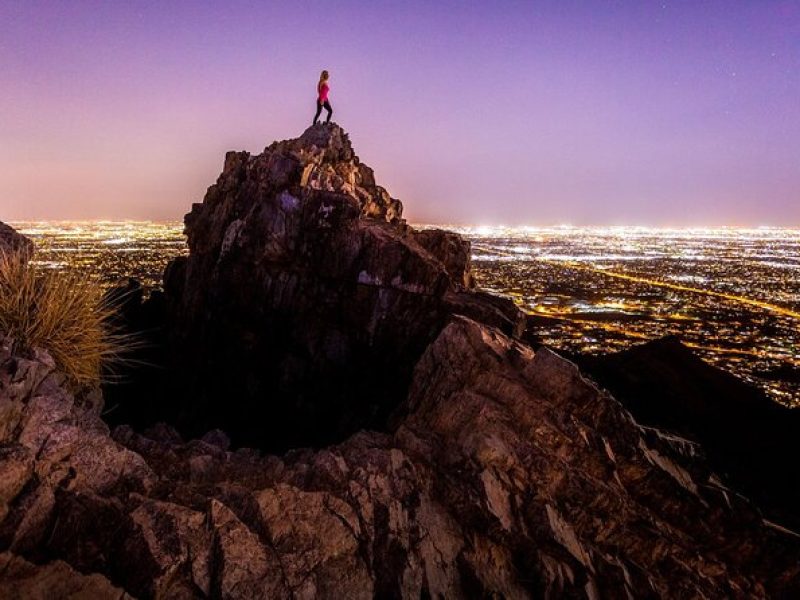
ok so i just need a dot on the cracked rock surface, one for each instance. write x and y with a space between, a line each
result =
510 475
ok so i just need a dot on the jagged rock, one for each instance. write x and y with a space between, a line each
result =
307 309
496 311
12 241
21 580
60 471
451 250
305 299
509 475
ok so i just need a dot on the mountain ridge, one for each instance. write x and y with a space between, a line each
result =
425 449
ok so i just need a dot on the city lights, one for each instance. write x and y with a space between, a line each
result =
732 295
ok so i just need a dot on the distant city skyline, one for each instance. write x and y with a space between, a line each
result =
583 113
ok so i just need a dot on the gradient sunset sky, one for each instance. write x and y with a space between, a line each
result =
606 112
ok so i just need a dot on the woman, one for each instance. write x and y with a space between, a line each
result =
322 97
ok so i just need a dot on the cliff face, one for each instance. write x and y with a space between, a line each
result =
305 299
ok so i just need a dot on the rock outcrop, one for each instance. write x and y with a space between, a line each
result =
13 241
510 475
306 300
493 471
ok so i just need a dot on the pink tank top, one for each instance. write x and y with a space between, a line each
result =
323 92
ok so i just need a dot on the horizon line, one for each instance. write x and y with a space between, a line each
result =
453 225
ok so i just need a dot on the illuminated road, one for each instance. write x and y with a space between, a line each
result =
627 331
682 288
774 308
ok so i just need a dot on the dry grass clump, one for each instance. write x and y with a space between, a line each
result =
63 313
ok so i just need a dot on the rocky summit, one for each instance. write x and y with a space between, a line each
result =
305 300
462 463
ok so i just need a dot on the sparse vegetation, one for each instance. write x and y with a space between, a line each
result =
63 313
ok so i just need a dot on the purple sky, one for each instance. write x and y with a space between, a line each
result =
608 112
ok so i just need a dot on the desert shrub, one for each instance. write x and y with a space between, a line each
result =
62 312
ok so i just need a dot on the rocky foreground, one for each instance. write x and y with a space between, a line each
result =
452 461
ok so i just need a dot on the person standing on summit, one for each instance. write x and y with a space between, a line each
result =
322 97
